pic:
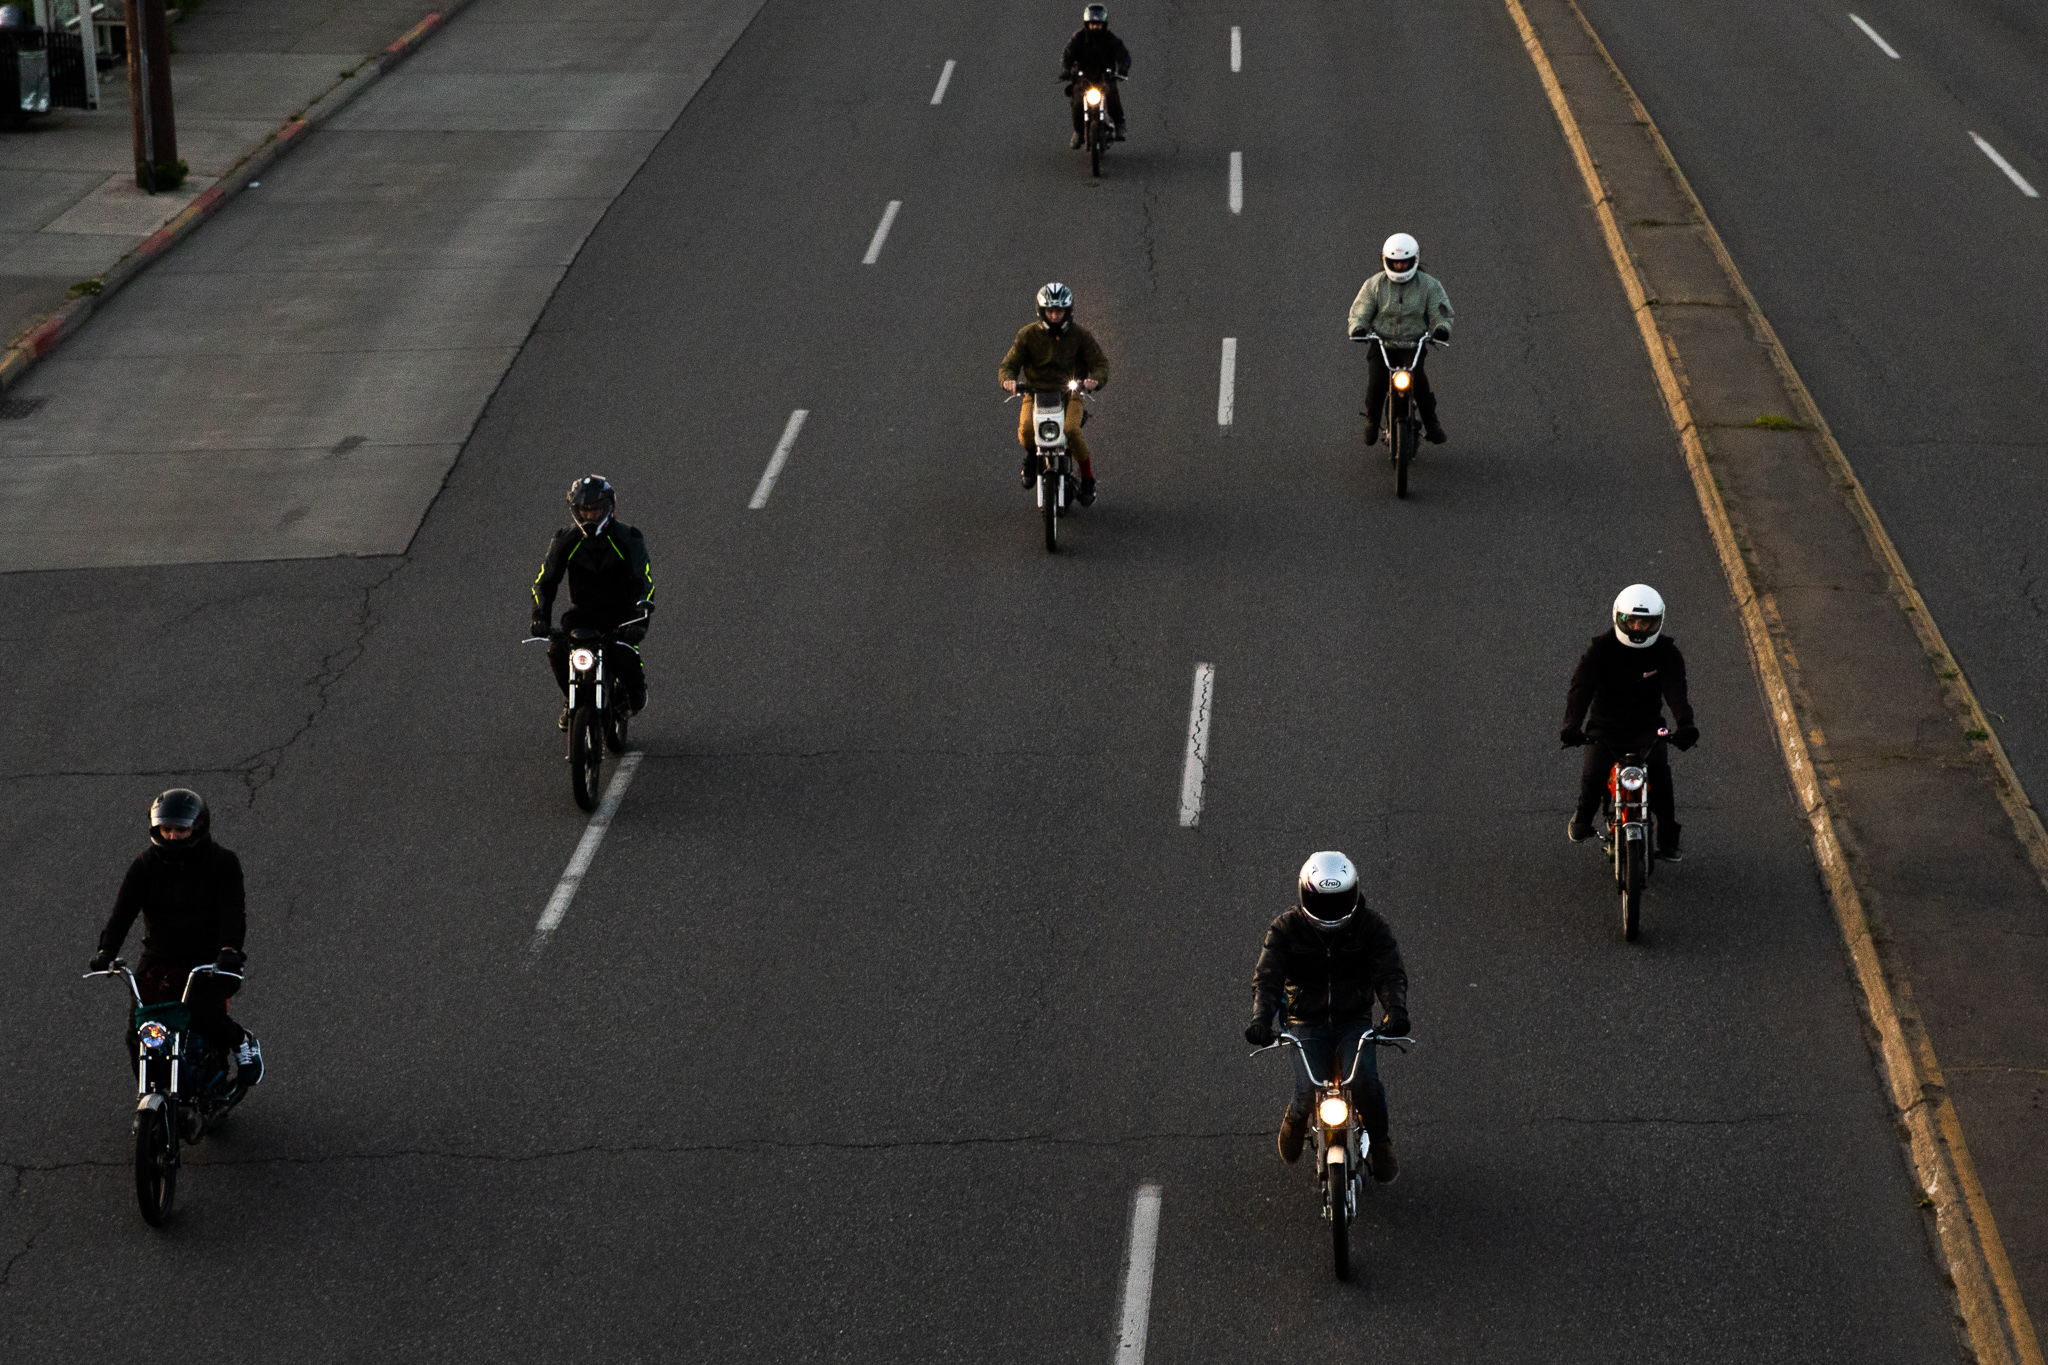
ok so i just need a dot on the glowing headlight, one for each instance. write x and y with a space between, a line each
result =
155 1037
1048 431
1333 1112
583 660
1632 778
1094 98
1401 380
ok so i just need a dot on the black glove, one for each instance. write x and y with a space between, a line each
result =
230 960
1259 1033
538 626
1441 332
101 960
1395 1025
1685 737
1571 737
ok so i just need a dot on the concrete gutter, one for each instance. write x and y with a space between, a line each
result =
1754 441
45 335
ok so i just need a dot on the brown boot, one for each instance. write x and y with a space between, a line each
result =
1380 1161
1293 1130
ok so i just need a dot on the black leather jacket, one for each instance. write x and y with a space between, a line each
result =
1326 976
1092 53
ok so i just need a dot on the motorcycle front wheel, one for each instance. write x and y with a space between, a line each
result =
1095 148
586 756
1635 857
1336 1188
1049 502
156 1166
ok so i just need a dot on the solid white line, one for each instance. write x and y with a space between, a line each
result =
2006 166
1137 1314
1237 182
1871 34
881 233
1236 49
1226 396
945 79
778 459
1196 766
579 861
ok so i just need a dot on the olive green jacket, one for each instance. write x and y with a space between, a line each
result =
1040 360
1403 313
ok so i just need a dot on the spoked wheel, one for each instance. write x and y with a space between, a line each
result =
1049 498
586 756
156 1165
1633 873
1336 1191
1404 453
616 720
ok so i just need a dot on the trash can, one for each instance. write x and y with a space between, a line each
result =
24 66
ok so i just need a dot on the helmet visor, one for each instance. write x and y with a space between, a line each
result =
1329 908
1397 265
1639 629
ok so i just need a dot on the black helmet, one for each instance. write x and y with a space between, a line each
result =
1095 14
592 501
1056 295
182 807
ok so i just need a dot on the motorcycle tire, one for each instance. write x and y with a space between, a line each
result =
156 1166
586 756
1050 503
1095 152
1336 1193
1636 854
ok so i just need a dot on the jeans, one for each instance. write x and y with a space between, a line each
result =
1601 756
1376 376
1326 1044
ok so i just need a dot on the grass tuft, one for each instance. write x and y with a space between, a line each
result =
84 288
1776 421
1976 734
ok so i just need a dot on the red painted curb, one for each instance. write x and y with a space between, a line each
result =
413 35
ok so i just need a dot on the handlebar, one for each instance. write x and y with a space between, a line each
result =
608 631
1376 1039
120 968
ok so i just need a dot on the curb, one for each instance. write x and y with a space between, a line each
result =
1994 1317
46 334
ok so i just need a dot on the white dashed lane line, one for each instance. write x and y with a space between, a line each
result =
882 232
1871 34
1236 49
1194 770
1136 1319
1226 389
586 851
2006 166
945 79
778 459
1237 182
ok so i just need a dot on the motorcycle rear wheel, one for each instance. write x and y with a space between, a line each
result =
156 1166
586 756
616 721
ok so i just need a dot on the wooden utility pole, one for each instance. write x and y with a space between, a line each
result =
149 96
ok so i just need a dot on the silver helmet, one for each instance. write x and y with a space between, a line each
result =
1329 889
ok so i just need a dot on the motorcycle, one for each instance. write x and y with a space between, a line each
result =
182 1090
1628 832
1340 1144
1400 417
1055 479
599 713
1098 130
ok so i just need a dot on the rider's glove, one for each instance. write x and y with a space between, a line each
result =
1395 1025
230 960
101 960
1571 737
1441 332
1685 738
1259 1033
538 626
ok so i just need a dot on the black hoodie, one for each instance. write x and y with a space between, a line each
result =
189 895
1626 689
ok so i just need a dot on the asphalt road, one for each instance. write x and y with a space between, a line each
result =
1900 266
897 974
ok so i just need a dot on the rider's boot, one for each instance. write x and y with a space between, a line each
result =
1579 828
1087 490
1380 1161
1432 431
636 702
1030 474
1667 844
1293 1131
1372 433
1075 143
562 721
248 1062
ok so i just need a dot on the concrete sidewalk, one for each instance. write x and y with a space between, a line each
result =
296 380
69 207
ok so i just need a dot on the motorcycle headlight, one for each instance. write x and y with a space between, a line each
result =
1094 98
583 660
1401 380
1333 1112
1632 778
1048 431
155 1037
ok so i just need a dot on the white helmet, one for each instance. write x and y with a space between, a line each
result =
1638 616
1399 256
1329 889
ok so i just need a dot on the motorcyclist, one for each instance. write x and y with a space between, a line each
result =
1046 355
1625 679
611 580
1403 304
1095 53
188 890
1324 962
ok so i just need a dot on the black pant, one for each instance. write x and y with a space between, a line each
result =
1376 383
1113 101
621 660
1601 756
